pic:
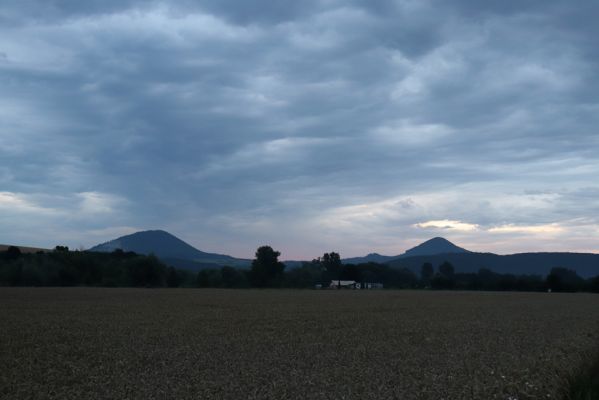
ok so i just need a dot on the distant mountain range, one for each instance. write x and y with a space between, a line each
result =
433 246
171 250
175 252
438 250
585 264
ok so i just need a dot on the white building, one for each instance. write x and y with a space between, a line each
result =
337 284
372 285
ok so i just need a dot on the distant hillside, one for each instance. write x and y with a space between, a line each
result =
585 264
170 250
372 257
191 265
24 249
433 246
291 264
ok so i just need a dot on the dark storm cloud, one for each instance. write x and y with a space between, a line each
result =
225 121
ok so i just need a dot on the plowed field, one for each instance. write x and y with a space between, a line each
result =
84 343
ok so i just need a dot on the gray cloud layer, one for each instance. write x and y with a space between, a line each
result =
312 125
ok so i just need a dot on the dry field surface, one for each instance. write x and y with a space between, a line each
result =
87 343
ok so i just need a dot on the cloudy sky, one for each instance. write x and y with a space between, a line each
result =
353 126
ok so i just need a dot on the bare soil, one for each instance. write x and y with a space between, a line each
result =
84 343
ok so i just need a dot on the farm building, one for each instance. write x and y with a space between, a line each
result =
372 285
337 284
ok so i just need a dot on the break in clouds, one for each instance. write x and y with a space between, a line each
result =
353 126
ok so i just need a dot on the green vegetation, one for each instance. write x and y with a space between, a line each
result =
427 273
584 383
267 270
62 267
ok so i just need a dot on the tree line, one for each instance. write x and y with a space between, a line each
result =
62 267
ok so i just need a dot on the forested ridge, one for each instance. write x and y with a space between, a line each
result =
63 267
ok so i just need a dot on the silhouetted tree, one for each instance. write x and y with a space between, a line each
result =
233 278
445 278
351 272
447 270
146 271
63 268
12 253
401 278
440 281
564 280
172 277
331 263
426 273
595 284
530 283
507 282
206 279
266 269
309 274
61 248
69 268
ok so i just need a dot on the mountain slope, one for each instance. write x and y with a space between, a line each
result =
170 249
585 264
372 257
437 245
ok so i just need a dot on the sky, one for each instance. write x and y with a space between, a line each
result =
351 126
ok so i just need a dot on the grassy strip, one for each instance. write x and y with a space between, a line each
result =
584 384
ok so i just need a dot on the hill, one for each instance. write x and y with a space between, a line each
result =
24 249
434 246
170 249
585 264
437 245
437 250
372 257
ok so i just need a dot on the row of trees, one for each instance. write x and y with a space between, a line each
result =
558 280
267 271
62 267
